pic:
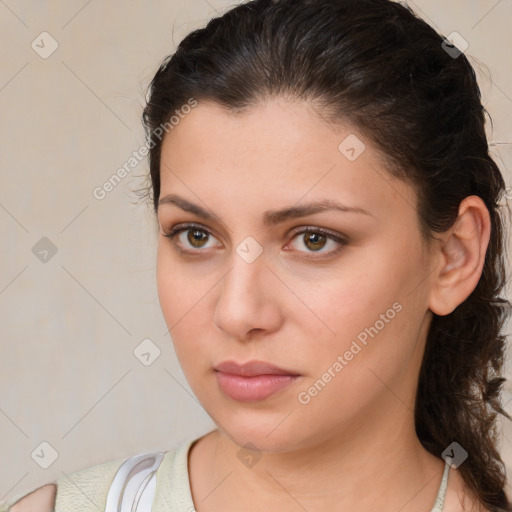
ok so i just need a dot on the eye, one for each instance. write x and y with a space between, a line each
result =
197 237
315 239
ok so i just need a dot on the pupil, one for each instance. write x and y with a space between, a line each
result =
315 239
197 236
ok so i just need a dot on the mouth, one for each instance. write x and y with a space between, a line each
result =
252 369
253 381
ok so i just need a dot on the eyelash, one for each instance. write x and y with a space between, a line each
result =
308 229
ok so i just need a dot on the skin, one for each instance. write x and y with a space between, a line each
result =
40 500
353 446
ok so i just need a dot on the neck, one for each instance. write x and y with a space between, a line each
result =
361 468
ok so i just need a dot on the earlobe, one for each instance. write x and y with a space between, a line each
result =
461 257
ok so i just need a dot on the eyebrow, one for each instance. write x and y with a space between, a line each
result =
270 217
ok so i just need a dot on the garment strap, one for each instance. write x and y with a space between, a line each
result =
441 494
134 483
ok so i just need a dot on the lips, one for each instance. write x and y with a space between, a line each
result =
253 381
252 368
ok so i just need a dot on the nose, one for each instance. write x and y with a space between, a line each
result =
248 301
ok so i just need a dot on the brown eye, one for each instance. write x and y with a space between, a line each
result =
315 239
196 237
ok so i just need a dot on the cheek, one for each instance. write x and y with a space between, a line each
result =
172 294
178 289
183 300
166 286
368 304
343 301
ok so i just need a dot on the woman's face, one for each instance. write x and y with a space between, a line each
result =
348 313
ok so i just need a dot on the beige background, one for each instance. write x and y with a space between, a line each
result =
69 327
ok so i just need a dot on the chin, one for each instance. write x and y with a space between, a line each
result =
260 430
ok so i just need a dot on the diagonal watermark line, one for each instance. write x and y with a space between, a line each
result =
286 491
13 279
435 267
426 277
95 299
74 218
314 185
328 122
215 488
95 404
14 76
192 307
192 192
183 387
218 423
17 426
3 3
423 14
75 15
307 192
216 10
300 299
280 423
13 217
502 91
99 99
100 509
485 15
389 389
221 428
7 493
387 179
416 494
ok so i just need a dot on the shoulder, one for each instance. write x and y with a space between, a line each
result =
82 490
87 489
40 500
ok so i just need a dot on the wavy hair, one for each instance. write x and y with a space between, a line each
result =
385 70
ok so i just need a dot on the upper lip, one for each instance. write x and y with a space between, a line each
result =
252 368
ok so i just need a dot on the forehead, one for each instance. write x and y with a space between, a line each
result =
278 151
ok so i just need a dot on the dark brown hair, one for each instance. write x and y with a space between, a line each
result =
390 74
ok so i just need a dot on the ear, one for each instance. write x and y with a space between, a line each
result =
460 257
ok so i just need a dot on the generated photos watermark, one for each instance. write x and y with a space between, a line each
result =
140 153
305 397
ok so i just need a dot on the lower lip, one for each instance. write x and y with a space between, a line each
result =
252 389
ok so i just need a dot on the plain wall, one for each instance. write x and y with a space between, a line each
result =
70 325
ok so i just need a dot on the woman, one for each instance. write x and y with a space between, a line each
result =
329 266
